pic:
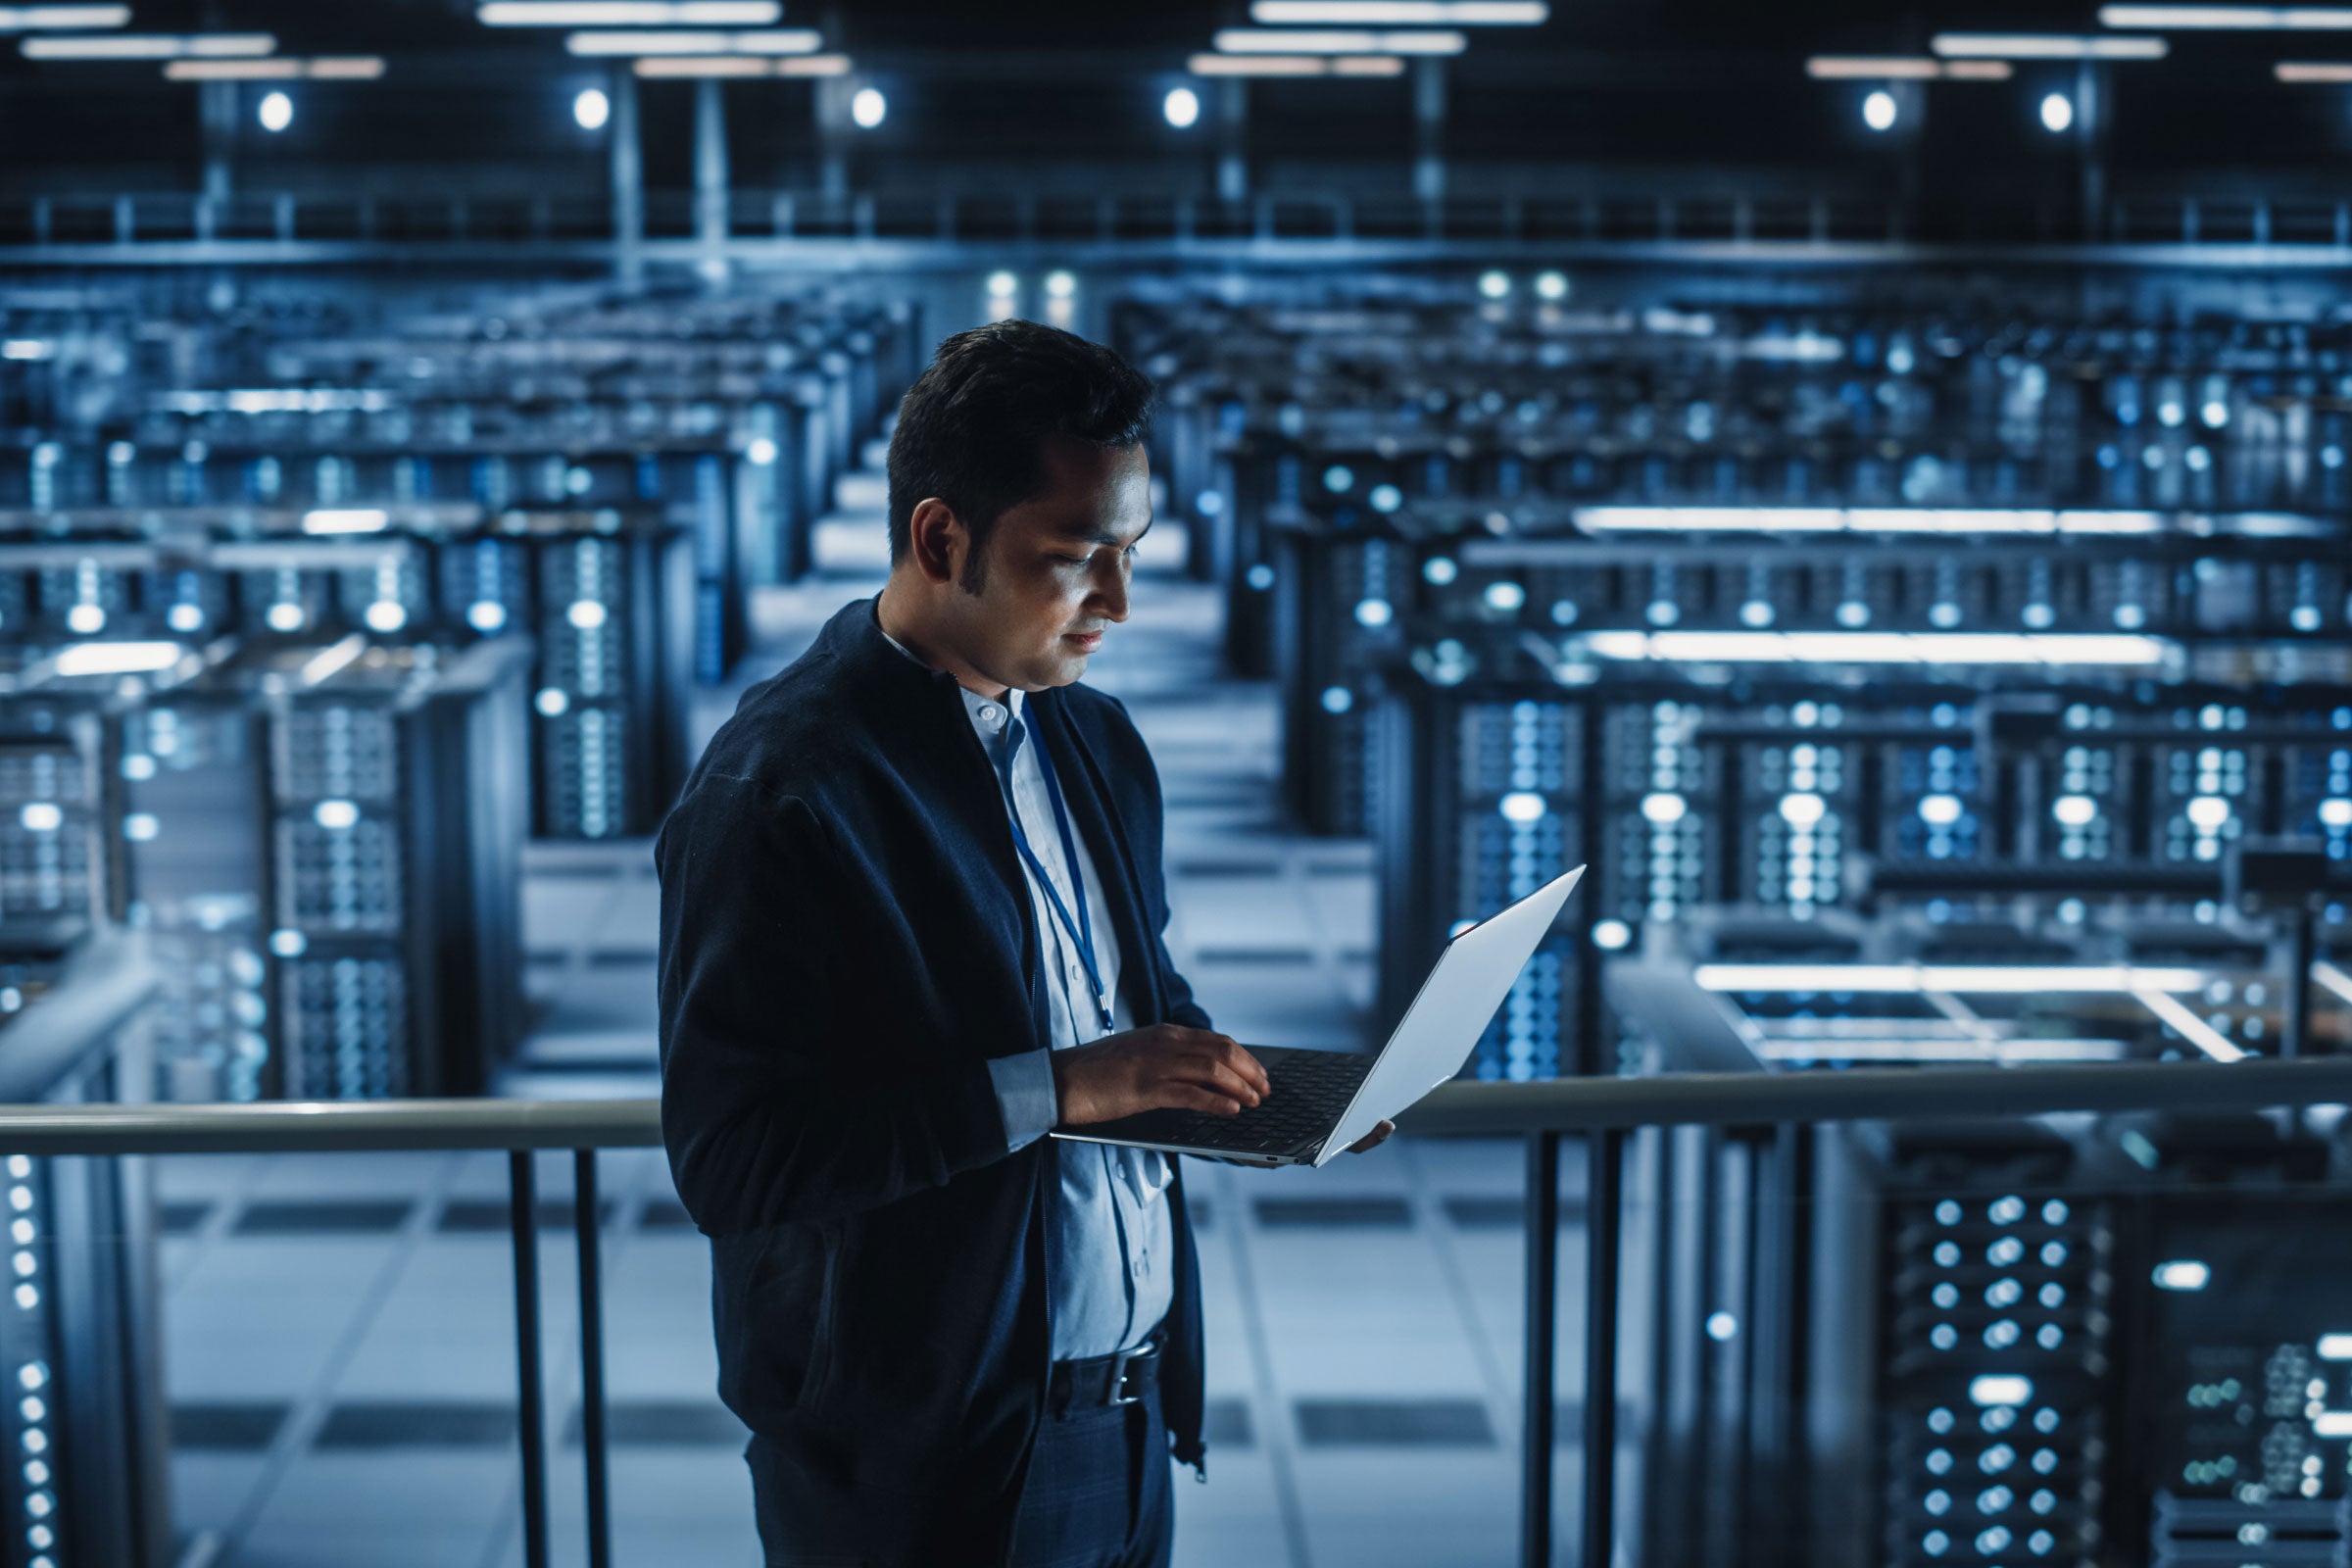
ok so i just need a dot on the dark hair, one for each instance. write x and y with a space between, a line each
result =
973 428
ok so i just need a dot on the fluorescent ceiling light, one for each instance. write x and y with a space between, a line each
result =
345 521
1904 68
28 18
2307 71
1874 648
630 13
2045 46
1911 979
340 68
677 67
2260 19
118 659
782 41
1400 12
1336 41
1862 519
1296 65
153 46
2336 1347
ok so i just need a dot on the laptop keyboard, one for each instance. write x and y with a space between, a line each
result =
1310 1091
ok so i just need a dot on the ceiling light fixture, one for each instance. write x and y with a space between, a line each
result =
2044 46
679 67
1904 68
2260 19
276 68
630 13
781 41
1400 12
29 18
1336 41
1296 65
153 46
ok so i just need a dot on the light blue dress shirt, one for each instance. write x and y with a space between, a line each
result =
1118 1253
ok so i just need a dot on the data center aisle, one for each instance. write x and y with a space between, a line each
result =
339 1330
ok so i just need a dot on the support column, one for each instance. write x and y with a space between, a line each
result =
629 178
1233 125
833 131
1429 129
217 112
2090 125
709 170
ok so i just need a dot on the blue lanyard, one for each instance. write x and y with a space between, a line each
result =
1081 929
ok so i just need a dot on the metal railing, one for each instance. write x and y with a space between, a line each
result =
327 224
1600 1111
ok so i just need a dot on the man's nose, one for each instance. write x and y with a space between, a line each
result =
1111 594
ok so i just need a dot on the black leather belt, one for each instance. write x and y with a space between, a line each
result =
1125 1376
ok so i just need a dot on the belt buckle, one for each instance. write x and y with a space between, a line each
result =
1119 1373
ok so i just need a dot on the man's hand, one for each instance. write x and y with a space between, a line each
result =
1373 1139
1164 1067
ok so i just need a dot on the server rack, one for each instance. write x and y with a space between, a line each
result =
608 593
395 818
1770 800
85 1483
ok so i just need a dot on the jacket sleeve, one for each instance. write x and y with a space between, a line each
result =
759 996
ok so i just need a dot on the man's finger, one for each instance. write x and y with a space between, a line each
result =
1232 1063
1192 1097
1373 1139
1219 1077
1241 1062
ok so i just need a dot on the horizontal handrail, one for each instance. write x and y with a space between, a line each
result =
1564 1105
292 1127
1760 1098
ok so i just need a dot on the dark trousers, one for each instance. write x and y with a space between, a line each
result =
1099 1495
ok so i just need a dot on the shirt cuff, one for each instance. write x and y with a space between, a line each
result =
1025 1093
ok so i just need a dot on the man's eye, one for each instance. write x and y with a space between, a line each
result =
1071 560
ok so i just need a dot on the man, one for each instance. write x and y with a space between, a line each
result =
912 905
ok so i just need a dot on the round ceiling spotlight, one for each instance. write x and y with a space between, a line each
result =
868 108
2057 113
1879 110
276 112
1495 285
592 109
1182 107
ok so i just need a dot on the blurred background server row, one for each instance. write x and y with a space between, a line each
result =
1871 485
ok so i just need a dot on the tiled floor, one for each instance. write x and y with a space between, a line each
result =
340 1329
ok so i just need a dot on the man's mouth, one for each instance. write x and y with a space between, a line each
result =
1087 641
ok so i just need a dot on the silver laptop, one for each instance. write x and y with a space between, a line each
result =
1324 1101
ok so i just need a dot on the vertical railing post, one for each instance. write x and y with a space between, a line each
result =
1543 1317
592 1355
1603 1187
522 1215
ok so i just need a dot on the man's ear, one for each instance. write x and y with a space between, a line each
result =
937 540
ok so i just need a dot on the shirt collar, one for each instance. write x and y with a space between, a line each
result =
988 715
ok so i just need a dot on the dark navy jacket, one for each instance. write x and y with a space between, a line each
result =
846 941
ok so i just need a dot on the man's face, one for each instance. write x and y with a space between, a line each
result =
1055 570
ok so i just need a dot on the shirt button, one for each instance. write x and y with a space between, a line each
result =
988 711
